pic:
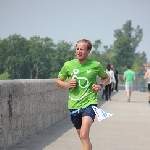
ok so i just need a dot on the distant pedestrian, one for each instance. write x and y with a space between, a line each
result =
147 77
129 78
112 80
116 74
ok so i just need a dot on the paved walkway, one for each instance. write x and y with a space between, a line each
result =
127 129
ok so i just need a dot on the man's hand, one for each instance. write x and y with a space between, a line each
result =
66 84
96 88
123 78
72 83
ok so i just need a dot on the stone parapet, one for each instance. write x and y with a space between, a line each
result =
28 106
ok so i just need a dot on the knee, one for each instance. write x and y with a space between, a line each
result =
83 135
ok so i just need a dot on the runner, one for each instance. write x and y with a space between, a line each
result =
83 89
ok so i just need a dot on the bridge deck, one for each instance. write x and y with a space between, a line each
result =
127 129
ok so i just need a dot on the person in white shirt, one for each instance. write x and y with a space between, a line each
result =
112 80
147 77
116 75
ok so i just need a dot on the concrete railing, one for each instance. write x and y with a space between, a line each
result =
29 106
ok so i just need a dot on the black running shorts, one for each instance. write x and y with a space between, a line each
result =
77 117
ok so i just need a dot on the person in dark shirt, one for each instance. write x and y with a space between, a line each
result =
116 74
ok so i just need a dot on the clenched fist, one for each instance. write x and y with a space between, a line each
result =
96 88
72 83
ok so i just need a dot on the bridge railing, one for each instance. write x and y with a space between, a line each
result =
29 106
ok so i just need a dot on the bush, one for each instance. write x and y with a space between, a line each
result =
4 76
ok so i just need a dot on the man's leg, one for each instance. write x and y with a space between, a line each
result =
149 98
78 131
82 122
103 94
149 94
128 95
109 89
84 133
77 122
106 92
130 90
127 88
112 87
116 85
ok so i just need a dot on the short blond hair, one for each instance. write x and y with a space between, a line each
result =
89 44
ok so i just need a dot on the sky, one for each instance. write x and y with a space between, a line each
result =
72 20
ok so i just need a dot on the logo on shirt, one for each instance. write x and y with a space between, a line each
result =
88 71
80 83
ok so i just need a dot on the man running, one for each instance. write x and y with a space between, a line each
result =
83 90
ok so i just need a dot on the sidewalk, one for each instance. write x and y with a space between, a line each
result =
127 129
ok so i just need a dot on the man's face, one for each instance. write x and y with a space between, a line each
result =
81 51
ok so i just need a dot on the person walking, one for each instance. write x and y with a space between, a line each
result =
129 78
81 76
112 80
116 74
147 77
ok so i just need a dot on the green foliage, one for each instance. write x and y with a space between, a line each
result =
96 45
127 40
41 58
4 76
135 67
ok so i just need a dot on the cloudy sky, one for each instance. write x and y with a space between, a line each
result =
71 20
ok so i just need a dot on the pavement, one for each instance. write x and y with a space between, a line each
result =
127 129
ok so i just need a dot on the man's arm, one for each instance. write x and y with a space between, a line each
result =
134 77
118 76
105 80
146 75
124 77
66 84
103 75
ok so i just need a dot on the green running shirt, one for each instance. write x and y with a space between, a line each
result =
85 74
129 74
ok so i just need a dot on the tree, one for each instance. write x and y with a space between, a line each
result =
3 55
127 40
14 49
95 53
39 49
59 56
140 58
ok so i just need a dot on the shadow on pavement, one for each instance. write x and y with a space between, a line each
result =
44 138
